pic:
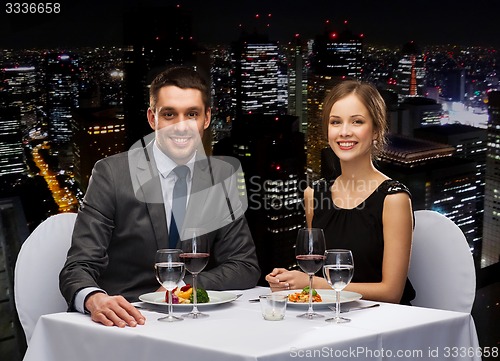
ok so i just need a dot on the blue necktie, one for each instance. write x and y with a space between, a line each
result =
179 196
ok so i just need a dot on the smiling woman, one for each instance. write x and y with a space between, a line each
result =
357 108
361 210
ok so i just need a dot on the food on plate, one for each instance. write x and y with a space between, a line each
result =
201 296
303 297
306 290
184 295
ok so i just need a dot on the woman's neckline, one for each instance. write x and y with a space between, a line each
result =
360 203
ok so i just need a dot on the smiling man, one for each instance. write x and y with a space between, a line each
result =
129 210
179 114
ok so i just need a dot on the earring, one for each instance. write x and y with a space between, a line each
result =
375 141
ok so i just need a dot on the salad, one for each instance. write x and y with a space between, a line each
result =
184 295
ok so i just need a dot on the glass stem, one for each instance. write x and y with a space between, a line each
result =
195 295
337 305
310 310
170 307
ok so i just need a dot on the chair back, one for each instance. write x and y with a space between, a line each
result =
442 267
36 275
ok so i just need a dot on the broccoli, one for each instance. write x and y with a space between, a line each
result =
305 290
201 296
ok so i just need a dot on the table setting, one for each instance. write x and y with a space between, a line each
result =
236 330
171 265
257 324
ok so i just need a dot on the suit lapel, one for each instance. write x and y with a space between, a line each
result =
150 190
200 191
201 176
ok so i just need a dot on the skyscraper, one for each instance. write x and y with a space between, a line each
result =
416 112
437 180
260 76
61 84
411 71
271 151
317 88
491 228
470 143
221 73
270 147
338 54
20 85
12 159
298 64
99 132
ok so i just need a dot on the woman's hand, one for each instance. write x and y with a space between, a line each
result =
281 279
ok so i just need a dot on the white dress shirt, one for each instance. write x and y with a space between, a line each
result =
165 167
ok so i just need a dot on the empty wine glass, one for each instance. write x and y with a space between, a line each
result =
169 270
195 248
338 271
309 253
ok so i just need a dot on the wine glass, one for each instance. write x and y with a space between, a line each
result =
338 271
309 253
169 271
195 248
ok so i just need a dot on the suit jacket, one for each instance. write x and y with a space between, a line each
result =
122 223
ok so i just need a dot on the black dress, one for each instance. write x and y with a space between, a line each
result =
358 229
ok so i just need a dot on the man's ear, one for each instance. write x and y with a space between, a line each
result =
151 119
208 116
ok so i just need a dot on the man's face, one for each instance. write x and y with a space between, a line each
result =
179 120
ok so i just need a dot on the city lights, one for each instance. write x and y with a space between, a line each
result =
71 98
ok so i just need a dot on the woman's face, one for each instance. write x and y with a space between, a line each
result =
350 129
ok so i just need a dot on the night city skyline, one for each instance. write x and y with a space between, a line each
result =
456 79
95 23
74 90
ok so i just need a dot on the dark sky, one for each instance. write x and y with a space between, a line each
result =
391 22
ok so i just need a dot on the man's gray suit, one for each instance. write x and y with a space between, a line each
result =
122 223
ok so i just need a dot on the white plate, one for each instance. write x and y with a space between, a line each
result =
216 298
327 297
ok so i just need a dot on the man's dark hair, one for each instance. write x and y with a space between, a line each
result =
182 77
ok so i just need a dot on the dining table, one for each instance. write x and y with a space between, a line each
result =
237 331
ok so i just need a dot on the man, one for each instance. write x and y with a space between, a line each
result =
126 213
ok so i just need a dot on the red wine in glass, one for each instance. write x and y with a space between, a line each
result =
196 253
195 262
309 263
310 255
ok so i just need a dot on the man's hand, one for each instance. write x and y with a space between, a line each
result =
113 310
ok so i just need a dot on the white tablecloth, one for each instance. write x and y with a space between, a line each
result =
237 331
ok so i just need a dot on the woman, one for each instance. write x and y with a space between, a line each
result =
362 209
